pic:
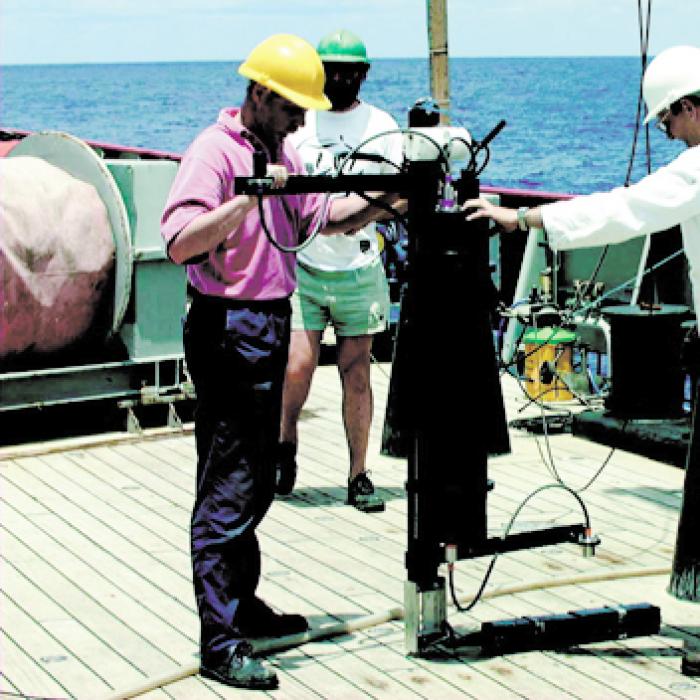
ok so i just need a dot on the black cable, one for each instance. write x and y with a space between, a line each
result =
380 204
483 145
519 358
602 466
275 242
487 158
442 156
644 30
506 532
371 158
471 166
550 462
644 42
551 465
479 593
353 154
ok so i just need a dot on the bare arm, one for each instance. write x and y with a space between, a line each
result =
350 213
506 218
208 230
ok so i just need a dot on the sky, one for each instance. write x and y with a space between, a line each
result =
113 31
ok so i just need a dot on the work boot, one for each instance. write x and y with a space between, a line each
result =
257 619
286 468
361 494
239 669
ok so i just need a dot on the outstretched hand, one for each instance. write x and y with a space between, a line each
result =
481 208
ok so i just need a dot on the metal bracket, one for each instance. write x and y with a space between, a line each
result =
132 422
174 421
425 615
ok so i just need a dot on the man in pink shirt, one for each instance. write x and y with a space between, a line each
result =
236 338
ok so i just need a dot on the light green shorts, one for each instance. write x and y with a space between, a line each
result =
355 302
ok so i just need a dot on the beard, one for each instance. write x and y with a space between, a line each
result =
342 94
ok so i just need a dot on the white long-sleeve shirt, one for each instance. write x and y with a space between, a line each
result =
667 197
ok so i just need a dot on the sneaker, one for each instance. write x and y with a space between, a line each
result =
240 670
286 468
258 619
361 494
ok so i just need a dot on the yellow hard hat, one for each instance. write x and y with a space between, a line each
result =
289 66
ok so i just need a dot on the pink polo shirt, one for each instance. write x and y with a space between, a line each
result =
246 265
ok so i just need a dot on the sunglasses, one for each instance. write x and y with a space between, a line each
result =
662 121
345 70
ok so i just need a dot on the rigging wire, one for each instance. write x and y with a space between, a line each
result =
644 24
644 29
596 303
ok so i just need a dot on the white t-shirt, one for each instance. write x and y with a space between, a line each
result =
322 142
667 197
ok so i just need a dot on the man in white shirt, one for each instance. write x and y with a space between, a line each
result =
341 279
668 197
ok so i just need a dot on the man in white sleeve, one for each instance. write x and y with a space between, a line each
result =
341 278
668 197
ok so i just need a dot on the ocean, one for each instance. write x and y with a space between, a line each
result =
570 122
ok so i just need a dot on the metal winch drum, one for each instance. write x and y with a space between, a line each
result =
65 235
82 264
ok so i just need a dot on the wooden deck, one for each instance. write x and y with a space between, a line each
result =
96 595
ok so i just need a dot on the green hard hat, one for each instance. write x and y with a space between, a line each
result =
342 46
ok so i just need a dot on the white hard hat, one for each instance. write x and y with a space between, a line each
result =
673 74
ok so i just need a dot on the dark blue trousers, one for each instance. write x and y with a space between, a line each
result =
236 354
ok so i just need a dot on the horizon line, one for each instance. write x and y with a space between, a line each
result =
238 60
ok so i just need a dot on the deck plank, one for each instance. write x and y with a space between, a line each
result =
96 589
20 670
53 655
82 620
